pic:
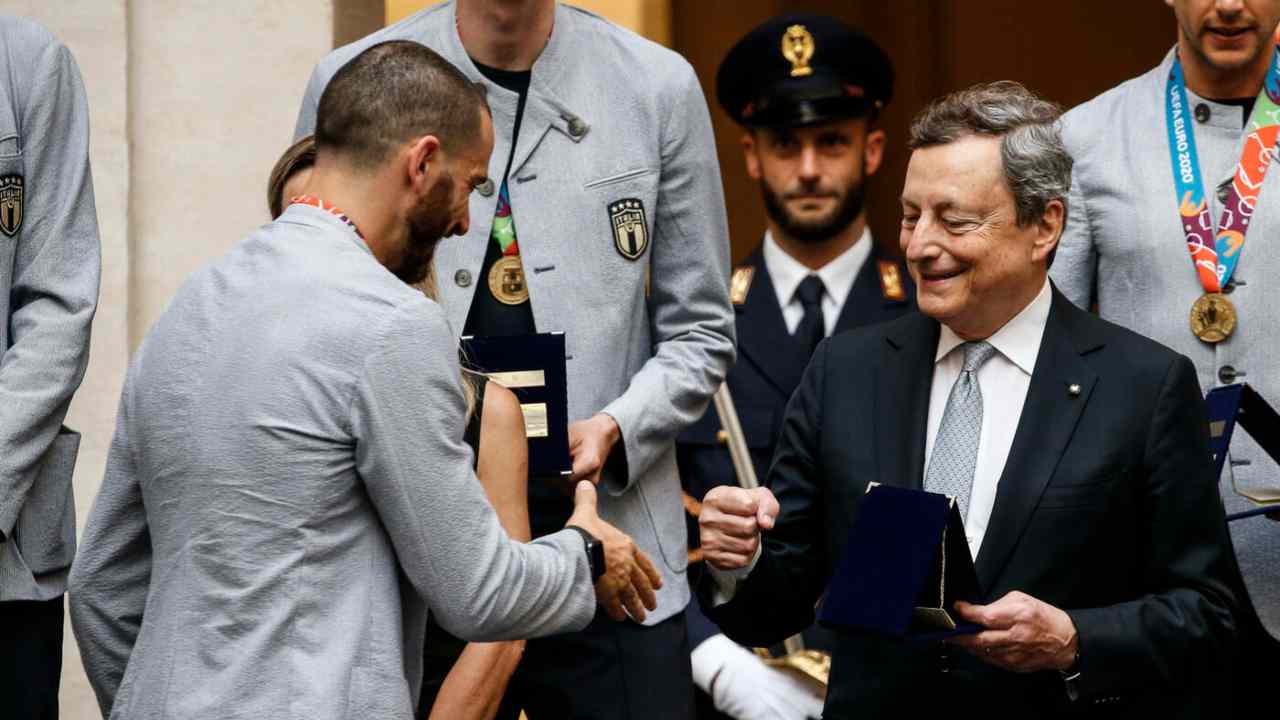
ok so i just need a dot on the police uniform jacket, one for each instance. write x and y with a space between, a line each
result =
1124 249
49 270
765 375
609 118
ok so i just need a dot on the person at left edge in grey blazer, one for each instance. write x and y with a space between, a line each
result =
288 481
49 270
604 219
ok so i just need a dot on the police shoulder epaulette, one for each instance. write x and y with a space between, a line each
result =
891 281
740 283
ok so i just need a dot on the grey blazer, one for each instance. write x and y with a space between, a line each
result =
1123 248
286 485
609 117
49 270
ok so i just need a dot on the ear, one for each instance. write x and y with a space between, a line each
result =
873 152
1049 230
419 158
751 155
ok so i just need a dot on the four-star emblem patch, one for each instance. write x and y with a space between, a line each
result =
10 204
630 233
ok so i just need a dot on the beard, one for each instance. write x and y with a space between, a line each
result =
429 223
848 207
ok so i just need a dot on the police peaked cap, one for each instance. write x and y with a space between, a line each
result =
803 69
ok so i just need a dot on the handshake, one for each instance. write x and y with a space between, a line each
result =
730 526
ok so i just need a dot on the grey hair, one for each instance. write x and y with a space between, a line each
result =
1037 167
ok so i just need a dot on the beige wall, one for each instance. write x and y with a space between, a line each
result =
190 103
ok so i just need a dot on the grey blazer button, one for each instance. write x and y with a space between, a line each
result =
462 278
1202 113
485 188
1228 374
577 128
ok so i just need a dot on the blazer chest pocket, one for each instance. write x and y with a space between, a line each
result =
1093 492
616 178
624 206
46 528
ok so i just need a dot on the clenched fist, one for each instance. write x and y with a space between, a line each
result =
730 524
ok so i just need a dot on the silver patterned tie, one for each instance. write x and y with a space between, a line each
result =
955 450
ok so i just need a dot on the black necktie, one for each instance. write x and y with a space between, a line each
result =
813 326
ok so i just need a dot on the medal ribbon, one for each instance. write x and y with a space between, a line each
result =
504 226
330 208
1215 254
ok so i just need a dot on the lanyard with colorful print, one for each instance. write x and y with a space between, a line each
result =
506 277
330 208
1214 254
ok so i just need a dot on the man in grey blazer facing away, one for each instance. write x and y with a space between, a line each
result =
1165 166
603 218
288 480
49 270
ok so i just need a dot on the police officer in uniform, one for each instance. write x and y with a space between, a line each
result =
808 91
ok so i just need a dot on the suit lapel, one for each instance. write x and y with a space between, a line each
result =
1048 420
762 333
901 412
866 303
862 305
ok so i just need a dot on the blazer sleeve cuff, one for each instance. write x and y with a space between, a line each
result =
1102 645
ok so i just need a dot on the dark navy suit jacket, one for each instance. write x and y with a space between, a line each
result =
1107 508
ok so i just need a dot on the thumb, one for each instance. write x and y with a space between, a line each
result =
766 508
584 497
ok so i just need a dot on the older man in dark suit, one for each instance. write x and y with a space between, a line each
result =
1077 452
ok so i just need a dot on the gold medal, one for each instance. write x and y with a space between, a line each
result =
506 280
1213 317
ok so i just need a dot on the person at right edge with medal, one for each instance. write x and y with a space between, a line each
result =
1173 233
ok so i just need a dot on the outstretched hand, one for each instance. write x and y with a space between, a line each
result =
630 579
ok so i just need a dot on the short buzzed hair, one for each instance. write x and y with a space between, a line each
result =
390 93
1037 167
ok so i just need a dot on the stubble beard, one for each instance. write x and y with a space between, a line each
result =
849 205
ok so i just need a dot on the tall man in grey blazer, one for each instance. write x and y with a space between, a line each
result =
288 480
608 221
49 269
1125 246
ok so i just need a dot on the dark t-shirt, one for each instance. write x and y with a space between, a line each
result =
487 316
549 506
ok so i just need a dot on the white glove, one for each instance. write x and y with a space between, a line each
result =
742 686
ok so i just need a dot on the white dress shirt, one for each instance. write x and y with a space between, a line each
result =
837 279
1004 380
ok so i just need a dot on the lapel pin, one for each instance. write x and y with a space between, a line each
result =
1073 390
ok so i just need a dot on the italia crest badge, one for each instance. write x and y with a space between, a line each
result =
630 232
10 204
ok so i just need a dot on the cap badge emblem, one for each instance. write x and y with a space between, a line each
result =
797 48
